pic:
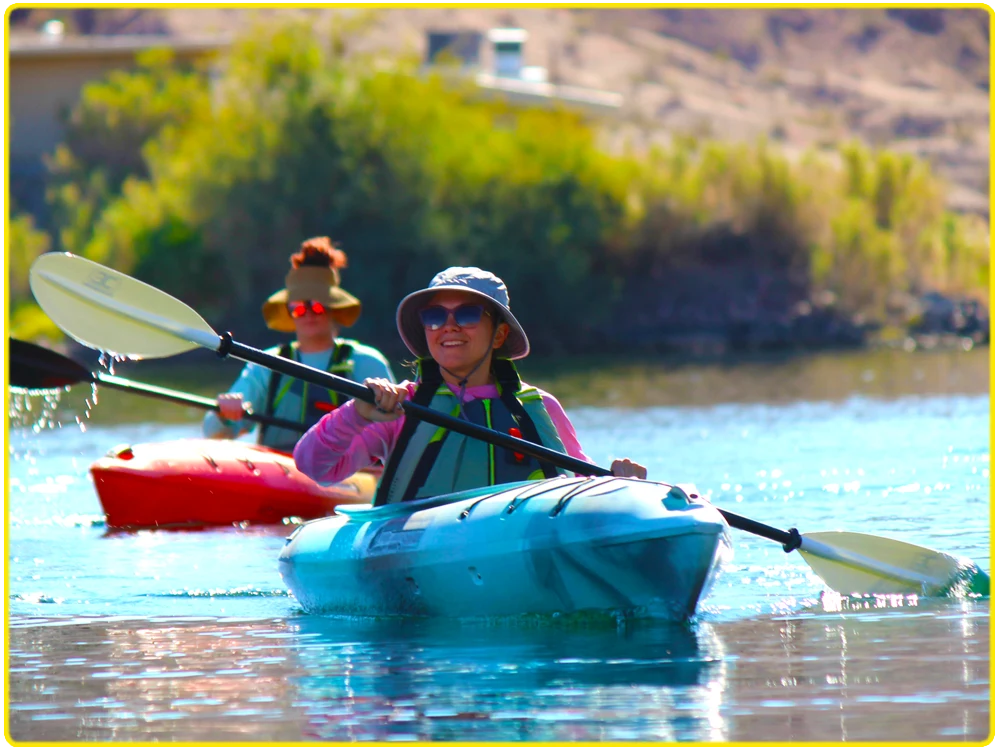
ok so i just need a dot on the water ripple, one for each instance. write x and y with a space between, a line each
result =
249 591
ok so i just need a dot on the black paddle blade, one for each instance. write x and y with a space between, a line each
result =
36 368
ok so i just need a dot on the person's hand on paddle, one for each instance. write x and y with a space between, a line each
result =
623 467
387 406
231 406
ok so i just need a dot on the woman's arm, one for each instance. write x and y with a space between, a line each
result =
620 467
252 384
563 426
343 442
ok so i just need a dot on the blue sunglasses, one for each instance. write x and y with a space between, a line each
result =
435 317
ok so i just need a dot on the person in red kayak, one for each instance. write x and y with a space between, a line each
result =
314 307
466 339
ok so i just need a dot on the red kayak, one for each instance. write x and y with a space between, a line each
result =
196 483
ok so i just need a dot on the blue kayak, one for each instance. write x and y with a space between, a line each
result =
558 546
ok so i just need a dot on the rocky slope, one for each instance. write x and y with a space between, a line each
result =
914 79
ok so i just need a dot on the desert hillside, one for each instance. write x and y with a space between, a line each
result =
916 80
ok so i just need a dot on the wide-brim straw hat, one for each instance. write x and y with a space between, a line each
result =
318 283
476 282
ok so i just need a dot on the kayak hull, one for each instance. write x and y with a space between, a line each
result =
198 483
561 546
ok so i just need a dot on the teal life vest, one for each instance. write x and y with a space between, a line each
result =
428 460
301 401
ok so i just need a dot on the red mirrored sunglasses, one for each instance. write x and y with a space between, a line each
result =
298 309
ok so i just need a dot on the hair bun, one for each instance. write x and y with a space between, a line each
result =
319 251
338 258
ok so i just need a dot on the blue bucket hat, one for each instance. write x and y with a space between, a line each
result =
475 281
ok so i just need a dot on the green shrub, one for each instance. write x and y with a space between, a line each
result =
24 244
106 133
213 191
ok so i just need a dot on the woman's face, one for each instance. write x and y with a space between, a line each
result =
461 348
311 326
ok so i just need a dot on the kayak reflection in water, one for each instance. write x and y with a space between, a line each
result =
314 307
466 340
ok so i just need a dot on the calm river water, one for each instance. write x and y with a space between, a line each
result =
191 637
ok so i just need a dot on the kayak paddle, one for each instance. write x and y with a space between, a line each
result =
33 367
110 311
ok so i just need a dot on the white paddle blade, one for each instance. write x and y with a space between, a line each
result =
853 563
107 310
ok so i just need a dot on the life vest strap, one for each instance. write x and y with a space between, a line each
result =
429 379
289 350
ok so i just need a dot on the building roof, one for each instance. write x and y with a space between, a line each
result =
46 45
538 92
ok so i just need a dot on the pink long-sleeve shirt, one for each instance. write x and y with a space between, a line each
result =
343 441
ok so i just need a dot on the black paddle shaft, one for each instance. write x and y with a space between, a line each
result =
789 540
34 367
230 348
130 386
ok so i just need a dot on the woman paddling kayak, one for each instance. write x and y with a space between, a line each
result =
466 338
314 307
